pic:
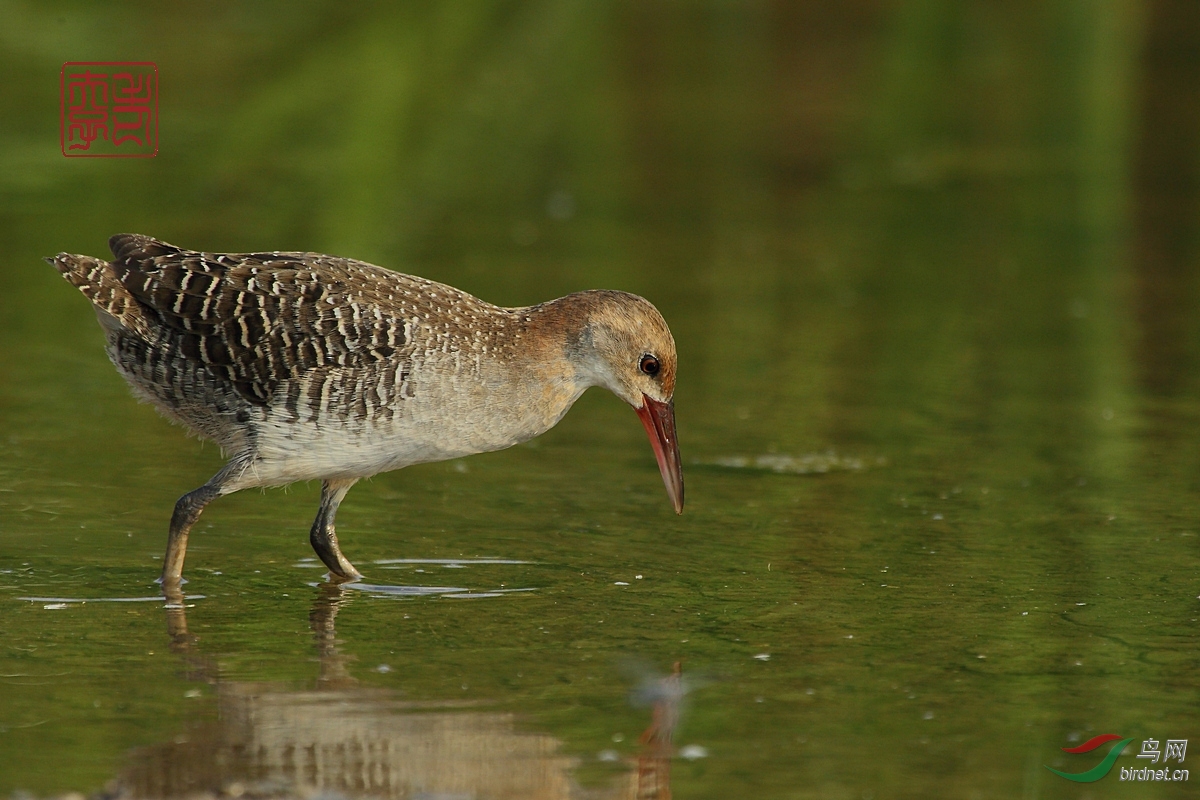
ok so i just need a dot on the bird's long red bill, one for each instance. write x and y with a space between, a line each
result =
659 421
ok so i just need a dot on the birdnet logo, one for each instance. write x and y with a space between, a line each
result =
1151 750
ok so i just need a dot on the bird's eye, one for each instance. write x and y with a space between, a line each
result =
649 364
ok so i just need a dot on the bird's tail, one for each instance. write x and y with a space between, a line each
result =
98 282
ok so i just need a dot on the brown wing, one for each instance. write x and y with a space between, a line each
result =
261 319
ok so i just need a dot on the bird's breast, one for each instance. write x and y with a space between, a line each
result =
440 405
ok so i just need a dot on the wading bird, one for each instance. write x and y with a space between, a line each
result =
305 366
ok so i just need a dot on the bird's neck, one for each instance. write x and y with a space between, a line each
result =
545 361
561 339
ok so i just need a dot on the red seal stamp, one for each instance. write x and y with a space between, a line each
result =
108 109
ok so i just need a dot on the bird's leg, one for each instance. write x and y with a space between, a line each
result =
187 511
324 539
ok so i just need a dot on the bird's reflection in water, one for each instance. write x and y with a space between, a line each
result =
344 740
664 696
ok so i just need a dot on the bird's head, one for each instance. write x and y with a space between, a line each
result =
627 348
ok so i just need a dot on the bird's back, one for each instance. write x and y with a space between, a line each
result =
237 347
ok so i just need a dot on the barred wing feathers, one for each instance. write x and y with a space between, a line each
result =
261 319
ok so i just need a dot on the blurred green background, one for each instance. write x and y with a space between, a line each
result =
952 244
